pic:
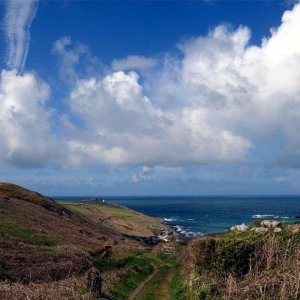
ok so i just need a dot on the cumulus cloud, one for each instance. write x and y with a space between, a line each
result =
18 18
26 139
209 105
133 62
125 127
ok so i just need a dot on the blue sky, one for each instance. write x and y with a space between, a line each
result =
150 97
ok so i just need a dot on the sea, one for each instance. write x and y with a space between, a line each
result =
197 216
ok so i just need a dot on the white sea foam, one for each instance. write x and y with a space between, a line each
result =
261 216
269 216
179 228
190 219
170 219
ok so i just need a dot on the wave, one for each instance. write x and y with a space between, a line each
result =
190 219
170 219
262 216
188 232
269 216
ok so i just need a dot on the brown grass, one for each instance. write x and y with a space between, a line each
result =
71 288
40 240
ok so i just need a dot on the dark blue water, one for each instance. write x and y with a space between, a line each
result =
202 215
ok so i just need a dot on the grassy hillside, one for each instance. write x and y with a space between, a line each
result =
119 218
45 244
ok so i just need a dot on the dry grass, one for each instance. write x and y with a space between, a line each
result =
273 273
71 288
46 249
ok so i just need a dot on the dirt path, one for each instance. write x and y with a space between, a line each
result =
141 285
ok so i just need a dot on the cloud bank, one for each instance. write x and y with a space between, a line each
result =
18 18
212 105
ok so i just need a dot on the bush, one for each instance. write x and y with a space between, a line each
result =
224 255
203 251
233 256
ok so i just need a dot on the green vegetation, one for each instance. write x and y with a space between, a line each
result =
111 209
130 281
111 263
167 282
250 265
226 254
177 288
154 289
119 218
138 267
26 235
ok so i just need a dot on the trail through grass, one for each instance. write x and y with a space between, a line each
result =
148 275
160 286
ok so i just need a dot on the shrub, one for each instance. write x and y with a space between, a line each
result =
203 251
233 256
224 255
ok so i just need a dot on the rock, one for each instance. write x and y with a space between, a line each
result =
94 282
260 229
277 229
269 223
239 228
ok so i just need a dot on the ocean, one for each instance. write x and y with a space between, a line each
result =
203 215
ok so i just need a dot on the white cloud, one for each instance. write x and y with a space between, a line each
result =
18 18
204 108
209 106
124 127
26 138
133 62
71 57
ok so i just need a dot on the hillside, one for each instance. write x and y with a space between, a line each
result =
42 241
49 249
116 217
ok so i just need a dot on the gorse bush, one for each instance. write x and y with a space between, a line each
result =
224 255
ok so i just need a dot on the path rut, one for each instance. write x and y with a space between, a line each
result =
141 285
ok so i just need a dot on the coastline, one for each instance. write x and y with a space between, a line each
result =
183 230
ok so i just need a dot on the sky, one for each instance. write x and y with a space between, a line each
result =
150 97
